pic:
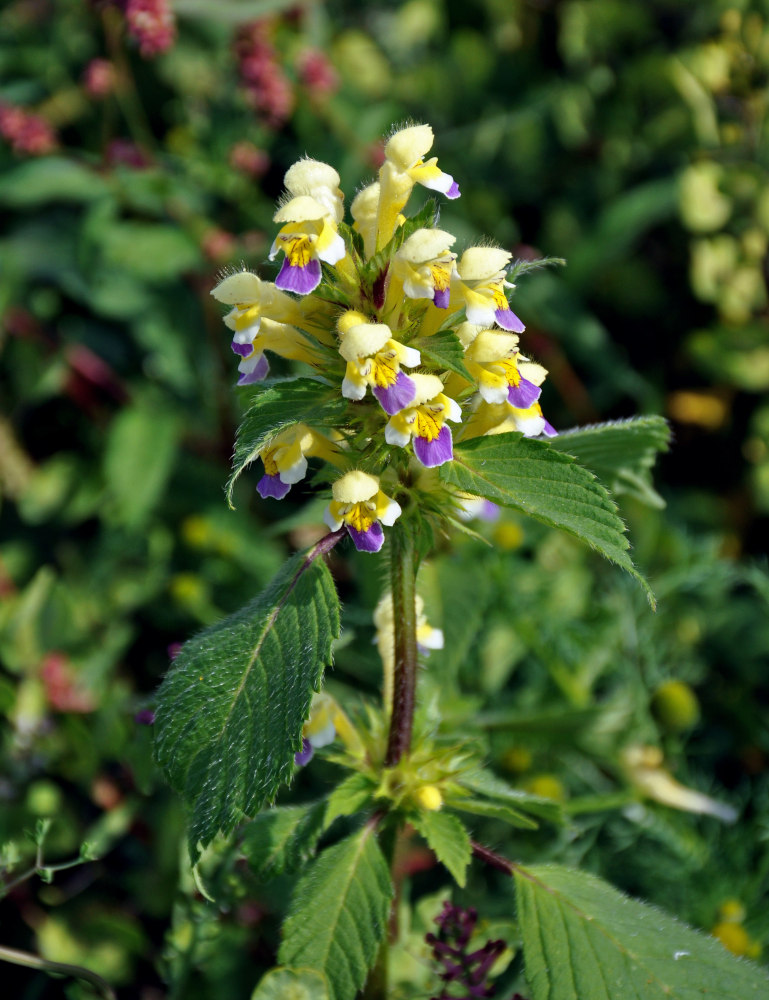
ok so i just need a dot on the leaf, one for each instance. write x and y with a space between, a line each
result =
230 711
291 984
621 453
527 266
278 405
489 785
53 178
153 253
447 837
584 940
532 477
493 810
444 350
282 840
338 914
348 798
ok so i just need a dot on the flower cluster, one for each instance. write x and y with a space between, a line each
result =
419 339
27 133
468 971
267 88
152 24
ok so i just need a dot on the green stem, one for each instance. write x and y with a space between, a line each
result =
403 583
30 961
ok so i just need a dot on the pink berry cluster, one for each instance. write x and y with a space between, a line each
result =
152 24
268 89
27 133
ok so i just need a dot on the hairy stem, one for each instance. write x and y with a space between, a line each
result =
31 961
403 582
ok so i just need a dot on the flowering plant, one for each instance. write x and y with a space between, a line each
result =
452 425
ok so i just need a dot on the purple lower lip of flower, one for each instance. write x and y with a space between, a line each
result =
367 541
507 319
549 431
489 511
295 278
272 486
304 756
243 350
441 298
394 398
258 374
453 191
437 451
523 395
145 717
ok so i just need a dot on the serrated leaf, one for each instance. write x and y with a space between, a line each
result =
584 940
282 840
621 453
447 837
278 405
348 798
444 350
230 711
532 477
338 914
493 810
490 786
291 984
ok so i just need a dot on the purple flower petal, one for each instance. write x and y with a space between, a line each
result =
243 350
272 486
258 373
145 717
441 298
304 756
488 512
549 431
367 541
437 451
453 191
302 280
523 395
394 398
507 319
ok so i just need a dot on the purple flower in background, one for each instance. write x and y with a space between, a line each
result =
466 971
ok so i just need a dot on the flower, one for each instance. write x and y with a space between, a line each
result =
424 265
363 508
251 298
467 971
480 283
425 421
502 418
319 730
309 237
152 24
364 209
319 181
374 359
643 767
285 459
279 338
502 373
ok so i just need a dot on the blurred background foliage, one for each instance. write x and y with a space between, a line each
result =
142 147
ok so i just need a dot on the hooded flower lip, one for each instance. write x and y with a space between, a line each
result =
364 208
405 152
480 283
425 421
319 181
251 299
285 460
425 265
502 373
360 505
374 359
308 237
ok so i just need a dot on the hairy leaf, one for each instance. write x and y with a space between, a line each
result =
490 786
291 984
533 477
338 914
282 840
230 711
448 838
279 405
493 810
584 940
621 453
444 350
348 798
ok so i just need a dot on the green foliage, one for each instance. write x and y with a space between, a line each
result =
531 477
583 940
338 914
292 984
282 839
230 712
348 798
444 350
447 836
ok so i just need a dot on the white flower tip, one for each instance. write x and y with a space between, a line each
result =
425 245
483 263
306 175
244 286
300 209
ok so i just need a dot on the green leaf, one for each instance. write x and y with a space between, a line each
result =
53 178
490 786
279 405
621 453
448 838
584 940
291 984
282 840
230 11
151 252
338 914
493 810
348 798
532 477
230 711
444 350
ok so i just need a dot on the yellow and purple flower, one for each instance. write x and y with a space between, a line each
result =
279 338
374 359
425 421
285 459
480 285
425 265
251 299
319 181
308 237
502 373
360 505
